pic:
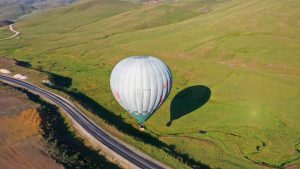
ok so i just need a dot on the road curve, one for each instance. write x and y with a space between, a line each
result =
136 158
12 29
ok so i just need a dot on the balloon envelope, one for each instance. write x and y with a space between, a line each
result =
141 84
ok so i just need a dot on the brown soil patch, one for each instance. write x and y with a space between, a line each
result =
7 62
22 145
13 103
293 166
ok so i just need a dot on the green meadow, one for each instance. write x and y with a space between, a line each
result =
235 100
4 32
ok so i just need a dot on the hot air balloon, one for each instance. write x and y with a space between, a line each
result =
141 84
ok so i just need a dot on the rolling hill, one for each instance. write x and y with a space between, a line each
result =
12 9
235 99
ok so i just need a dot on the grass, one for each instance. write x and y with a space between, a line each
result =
4 32
245 52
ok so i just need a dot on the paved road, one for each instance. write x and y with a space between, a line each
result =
98 133
12 29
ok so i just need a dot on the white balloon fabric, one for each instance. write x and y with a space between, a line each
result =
141 84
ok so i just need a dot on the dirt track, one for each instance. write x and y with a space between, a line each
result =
12 29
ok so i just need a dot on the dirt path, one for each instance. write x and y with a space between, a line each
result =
12 29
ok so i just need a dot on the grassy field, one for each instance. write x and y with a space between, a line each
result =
4 32
243 54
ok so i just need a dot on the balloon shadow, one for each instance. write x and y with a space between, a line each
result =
188 100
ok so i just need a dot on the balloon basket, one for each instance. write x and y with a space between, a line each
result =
142 127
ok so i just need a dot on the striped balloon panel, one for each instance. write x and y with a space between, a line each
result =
141 84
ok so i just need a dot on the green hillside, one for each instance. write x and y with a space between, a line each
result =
4 33
243 54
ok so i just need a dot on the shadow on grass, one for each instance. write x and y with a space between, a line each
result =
61 82
128 129
57 80
23 64
188 100
67 149
117 122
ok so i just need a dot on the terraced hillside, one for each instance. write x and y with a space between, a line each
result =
236 96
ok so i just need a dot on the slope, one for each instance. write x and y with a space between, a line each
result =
244 52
